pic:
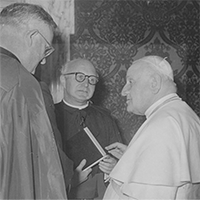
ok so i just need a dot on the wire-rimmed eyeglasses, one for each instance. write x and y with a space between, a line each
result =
48 49
80 77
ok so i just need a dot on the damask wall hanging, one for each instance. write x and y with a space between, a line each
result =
113 33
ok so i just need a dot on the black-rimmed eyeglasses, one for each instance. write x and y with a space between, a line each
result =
80 77
48 49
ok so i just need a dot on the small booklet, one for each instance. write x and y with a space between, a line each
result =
84 145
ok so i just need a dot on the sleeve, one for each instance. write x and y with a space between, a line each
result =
151 166
147 191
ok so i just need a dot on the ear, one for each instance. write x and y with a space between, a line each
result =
155 83
62 80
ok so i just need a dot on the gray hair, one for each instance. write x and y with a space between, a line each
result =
21 13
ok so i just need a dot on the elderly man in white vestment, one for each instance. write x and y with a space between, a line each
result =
162 161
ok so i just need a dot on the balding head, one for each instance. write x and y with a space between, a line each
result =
78 78
20 14
148 80
27 31
78 64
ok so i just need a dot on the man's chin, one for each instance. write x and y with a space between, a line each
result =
83 95
83 98
129 109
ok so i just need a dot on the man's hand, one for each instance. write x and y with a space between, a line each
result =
107 164
116 149
80 175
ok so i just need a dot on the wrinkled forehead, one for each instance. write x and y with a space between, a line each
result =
81 66
135 70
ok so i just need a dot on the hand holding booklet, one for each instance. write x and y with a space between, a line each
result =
84 145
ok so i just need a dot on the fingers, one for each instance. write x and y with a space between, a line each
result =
107 164
109 160
112 146
81 170
116 149
105 169
87 172
116 153
80 175
116 145
81 165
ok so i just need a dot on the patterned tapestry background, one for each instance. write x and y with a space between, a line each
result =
113 33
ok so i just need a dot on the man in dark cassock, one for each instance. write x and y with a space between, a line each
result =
30 166
75 112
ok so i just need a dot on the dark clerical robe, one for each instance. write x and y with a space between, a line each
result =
67 164
70 121
30 167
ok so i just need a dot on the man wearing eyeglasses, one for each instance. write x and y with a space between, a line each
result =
30 167
79 79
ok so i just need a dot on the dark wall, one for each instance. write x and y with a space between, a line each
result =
113 33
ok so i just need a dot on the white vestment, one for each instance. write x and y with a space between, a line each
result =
162 160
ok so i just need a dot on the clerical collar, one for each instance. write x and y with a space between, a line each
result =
8 53
78 107
153 108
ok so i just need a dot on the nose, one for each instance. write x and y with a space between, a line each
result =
124 91
86 81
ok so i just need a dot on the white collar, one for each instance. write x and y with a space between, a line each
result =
154 107
78 107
